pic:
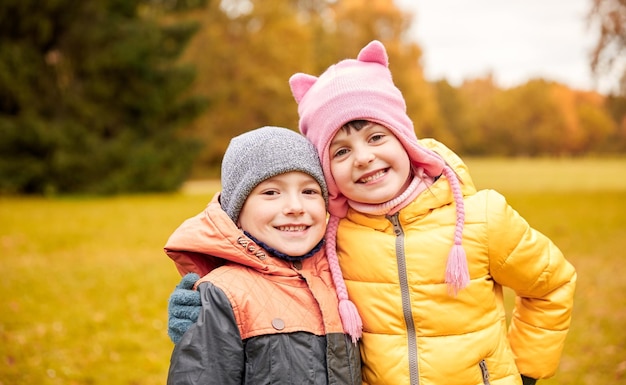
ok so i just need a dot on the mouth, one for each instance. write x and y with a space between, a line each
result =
374 176
292 228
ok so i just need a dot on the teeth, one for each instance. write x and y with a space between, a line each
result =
372 177
292 228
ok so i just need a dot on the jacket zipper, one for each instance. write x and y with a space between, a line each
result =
406 300
484 371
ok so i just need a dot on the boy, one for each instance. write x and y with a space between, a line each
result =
269 308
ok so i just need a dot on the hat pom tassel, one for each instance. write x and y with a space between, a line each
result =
350 319
457 272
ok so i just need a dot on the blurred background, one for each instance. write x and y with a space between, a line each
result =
95 95
115 114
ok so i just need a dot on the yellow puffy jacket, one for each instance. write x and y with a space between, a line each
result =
414 331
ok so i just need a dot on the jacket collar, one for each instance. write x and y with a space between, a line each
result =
211 239
437 195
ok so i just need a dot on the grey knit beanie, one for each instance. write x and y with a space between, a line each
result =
261 154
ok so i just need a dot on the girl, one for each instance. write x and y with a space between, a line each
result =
423 254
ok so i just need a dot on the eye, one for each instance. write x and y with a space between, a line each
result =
376 137
340 152
311 191
270 192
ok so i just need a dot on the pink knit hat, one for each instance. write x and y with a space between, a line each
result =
363 89
356 89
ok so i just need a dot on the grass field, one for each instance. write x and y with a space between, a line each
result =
85 281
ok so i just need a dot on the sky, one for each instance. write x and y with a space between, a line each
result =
515 40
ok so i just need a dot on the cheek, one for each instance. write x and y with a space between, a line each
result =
339 172
321 212
316 207
404 163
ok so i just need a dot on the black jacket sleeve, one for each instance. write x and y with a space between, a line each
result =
211 351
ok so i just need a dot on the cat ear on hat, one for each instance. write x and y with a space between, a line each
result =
374 52
301 84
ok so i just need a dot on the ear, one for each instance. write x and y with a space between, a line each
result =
374 52
300 84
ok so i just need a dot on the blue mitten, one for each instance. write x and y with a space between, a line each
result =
183 308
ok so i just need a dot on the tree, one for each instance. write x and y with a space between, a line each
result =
480 132
91 98
358 22
608 55
247 50
246 56
456 110
616 107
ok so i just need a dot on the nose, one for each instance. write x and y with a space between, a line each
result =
293 205
363 157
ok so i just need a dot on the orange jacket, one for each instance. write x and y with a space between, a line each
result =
261 298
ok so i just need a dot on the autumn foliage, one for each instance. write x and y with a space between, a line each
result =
102 98
245 56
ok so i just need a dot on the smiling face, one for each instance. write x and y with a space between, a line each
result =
286 212
369 165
